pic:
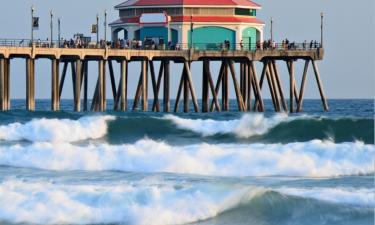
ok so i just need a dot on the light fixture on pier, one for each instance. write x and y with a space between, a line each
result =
59 31
321 28
271 29
32 24
105 25
97 28
51 27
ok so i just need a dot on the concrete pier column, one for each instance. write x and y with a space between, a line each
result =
166 86
85 87
30 84
291 86
55 100
186 90
7 83
124 84
205 87
101 83
77 86
2 85
104 107
144 86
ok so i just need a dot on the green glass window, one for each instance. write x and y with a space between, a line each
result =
245 12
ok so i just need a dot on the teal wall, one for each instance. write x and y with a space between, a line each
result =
249 38
211 37
158 32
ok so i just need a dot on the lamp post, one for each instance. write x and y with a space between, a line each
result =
32 24
97 28
271 29
59 31
51 27
105 25
321 28
191 31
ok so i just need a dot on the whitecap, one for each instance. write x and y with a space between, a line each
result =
56 130
247 126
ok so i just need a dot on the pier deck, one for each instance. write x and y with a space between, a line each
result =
247 85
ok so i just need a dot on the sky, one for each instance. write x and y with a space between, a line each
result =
347 70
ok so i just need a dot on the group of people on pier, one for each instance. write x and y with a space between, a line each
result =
150 44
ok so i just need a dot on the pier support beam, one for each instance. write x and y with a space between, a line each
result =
291 86
144 72
186 83
55 99
205 87
124 84
77 87
85 85
302 88
2 85
186 91
101 84
225 88
30 84
166 87
320 86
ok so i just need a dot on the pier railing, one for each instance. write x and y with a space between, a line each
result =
265 46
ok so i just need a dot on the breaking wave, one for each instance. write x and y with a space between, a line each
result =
56 130
150 202
249 125
314 158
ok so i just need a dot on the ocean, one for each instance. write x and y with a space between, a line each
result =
226 168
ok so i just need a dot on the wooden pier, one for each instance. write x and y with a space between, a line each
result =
248 83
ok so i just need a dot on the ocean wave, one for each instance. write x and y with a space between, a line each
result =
360 197
126 203
314 158
56 130
248 125
154 201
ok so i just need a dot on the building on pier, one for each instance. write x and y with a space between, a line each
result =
205 23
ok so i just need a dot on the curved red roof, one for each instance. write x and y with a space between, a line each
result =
197 19
140 3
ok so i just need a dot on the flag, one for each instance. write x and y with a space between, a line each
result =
35 23
94 29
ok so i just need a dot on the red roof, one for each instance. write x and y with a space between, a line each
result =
134 3
207 19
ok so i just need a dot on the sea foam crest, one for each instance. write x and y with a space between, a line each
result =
50 203
314 158
56 130
248 125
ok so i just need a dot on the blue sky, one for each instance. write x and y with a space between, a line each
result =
347 70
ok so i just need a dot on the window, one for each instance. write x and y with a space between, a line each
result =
245 12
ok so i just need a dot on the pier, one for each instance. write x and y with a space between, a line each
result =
248 83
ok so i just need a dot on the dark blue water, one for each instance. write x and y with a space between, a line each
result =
217 168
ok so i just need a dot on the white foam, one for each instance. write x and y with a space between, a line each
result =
248 125
125 203
360 197
314 158
56 130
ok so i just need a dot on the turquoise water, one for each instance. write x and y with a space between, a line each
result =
217 168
